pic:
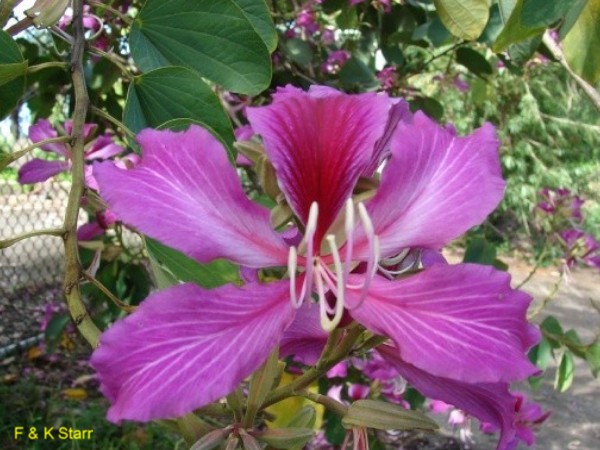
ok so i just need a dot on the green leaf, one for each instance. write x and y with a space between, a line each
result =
11 63
171 93
9 72
474 61
299 51
566 371
356 74
221 40
465 19
541 354
480 251
54 330
592 357
261 383
542 13
386 416
514 31
285 438
259 16
183 268
521 52
582 44
551 326
430 106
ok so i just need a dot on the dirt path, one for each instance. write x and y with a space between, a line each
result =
575 420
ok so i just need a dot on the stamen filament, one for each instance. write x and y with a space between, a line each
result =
311 228
339 271
396 259
374 253
349 229
292 266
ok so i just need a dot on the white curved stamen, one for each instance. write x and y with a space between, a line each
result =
349 229
374 253
340 287
396 259
292 266
309 236
323 306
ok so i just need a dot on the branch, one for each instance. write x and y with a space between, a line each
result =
73 270
333 405
12 157
120 304
332 355
558 54
11 241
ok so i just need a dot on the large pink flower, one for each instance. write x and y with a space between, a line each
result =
187 346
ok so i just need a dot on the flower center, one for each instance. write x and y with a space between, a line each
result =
321 277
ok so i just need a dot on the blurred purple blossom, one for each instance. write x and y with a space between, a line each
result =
335 61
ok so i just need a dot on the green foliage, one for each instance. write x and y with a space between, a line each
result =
12 74
170 93
228 40
174 266
27 403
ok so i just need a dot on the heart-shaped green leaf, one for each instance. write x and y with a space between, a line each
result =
12 70
169 93
465 19
224 41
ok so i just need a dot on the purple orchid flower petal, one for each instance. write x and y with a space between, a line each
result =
204 342
38 170
305 338
399 112
186 194
89 231
462 322
88 129
103 147
489 402
89 178
434 188
319 143
42 130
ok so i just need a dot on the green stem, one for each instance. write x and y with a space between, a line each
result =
112 120
547 299
11 241
12 157
126 72
333 405
533 271
332 355
47 65
125 18
120 304
73 270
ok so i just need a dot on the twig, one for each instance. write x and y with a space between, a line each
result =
536 266
11 241
115 59
47 65
122 305
21 25
12 157
547 299
73 270
332 355
125 18
558 54
112 120
331 404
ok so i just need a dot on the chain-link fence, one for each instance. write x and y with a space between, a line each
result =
37 262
